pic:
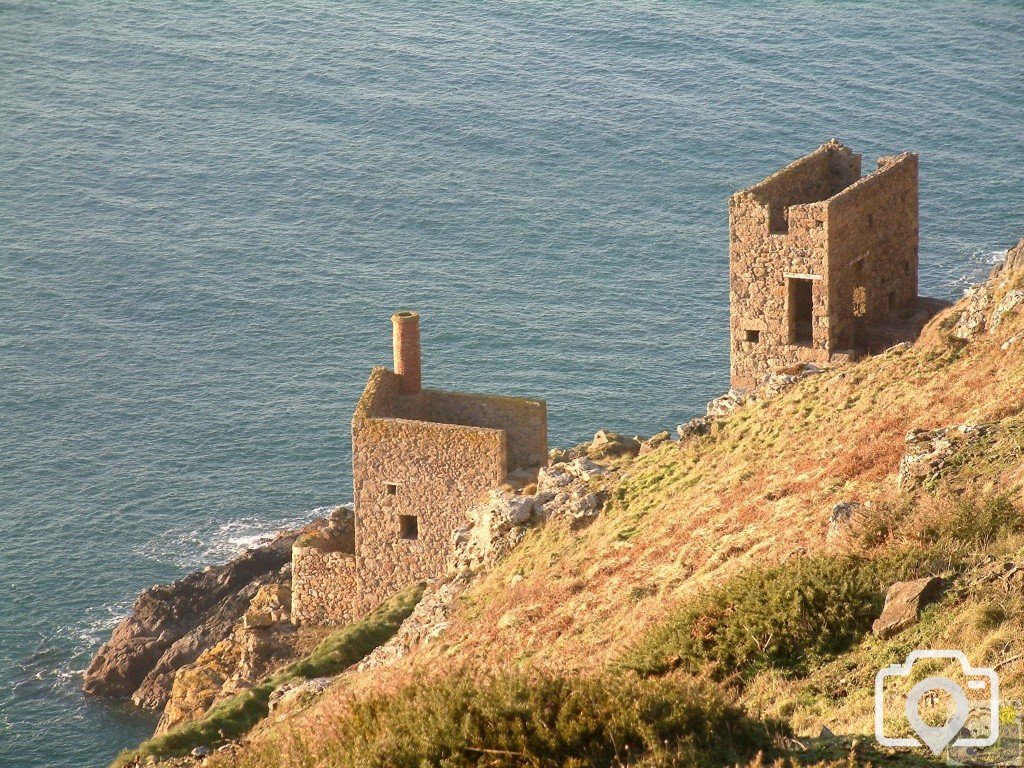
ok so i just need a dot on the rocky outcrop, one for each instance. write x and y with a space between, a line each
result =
928 451
654 441
426 622
986 306
171 625
609 445
263 640
495 527
1013 262
298 692
903 604
606 446
694 428
723 405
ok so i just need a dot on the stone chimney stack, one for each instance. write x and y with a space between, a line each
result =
406 341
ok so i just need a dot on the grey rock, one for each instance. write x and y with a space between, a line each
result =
725 404
841 517
928 451
903 603
694 428
585 469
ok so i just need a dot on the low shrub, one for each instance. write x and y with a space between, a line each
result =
515 720
973 521
783 617
237 716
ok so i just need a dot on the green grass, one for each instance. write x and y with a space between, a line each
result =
515 720
239 714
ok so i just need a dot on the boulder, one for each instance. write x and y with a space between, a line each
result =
298 692
648 445
610 445
841 518
694 428
564 455
903 604
255 619
725 404
553 478
584 469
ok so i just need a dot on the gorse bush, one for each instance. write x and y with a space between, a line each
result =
513 720
783 617
237 716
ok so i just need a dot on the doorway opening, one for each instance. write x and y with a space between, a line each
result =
801 311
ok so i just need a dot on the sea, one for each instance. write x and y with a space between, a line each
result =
209 211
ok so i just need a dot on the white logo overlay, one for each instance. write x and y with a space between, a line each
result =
937 738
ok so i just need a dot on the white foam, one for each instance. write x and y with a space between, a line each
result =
218 543
979 263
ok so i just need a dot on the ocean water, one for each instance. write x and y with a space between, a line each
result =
208 213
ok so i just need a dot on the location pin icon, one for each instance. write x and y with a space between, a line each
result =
937 739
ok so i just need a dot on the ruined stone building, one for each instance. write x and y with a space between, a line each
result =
818 254
420 459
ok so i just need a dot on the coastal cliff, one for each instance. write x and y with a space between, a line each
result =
743 583
171 625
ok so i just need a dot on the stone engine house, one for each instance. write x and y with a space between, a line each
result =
817 255
421 458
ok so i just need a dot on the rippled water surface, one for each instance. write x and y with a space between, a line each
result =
209 211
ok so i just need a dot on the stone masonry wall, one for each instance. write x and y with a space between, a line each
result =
434 472
763 252
812 221
325 587
325 577
524 421
873 223
428 456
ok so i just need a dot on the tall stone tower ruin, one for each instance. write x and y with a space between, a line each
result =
817 254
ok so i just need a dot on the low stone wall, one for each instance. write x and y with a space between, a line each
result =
325 578
324 587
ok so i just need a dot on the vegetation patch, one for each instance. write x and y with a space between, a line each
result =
239 714
515 720
784 617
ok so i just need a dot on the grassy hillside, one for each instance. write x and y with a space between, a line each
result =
706 614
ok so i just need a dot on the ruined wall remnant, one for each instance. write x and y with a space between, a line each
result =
817 253
421 458
324 573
